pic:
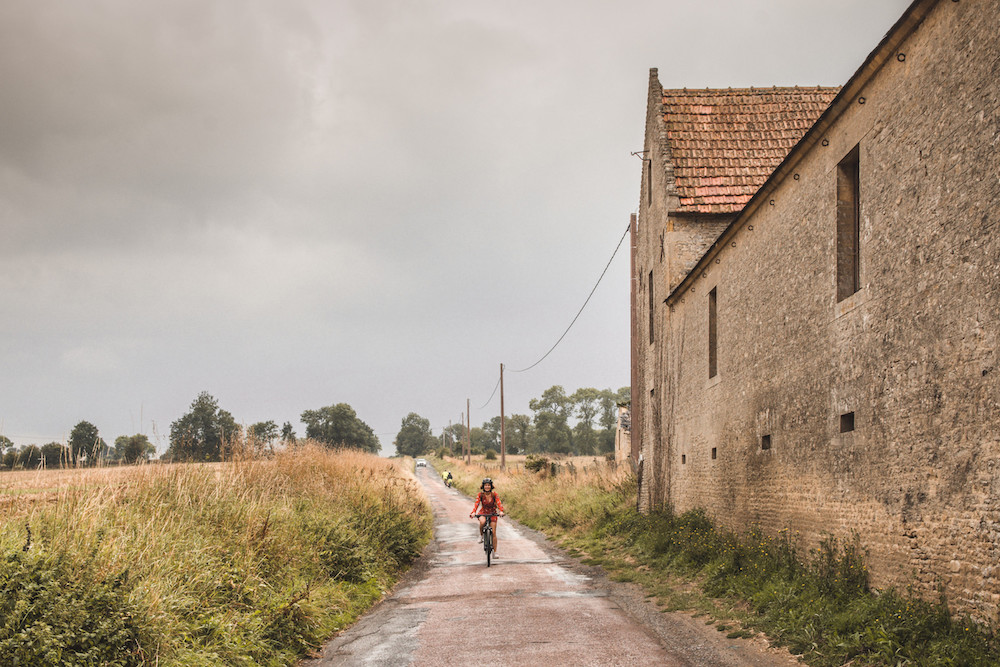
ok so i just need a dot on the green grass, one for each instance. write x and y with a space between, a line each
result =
816 603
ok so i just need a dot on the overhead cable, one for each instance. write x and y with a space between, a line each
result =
579 312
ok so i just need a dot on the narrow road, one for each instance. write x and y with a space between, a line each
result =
534 606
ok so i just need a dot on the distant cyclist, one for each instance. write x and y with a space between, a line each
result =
487 502
448 481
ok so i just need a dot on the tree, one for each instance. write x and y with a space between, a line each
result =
85 443
134 448
262 434
29 456
454 437
519 434
585 401
55 455
287 433
492 431
5 443
414 437
338 426
202 434
552 411
609 402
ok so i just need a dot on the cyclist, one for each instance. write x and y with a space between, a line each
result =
488 502
448 481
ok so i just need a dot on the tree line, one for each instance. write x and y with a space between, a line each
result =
205 432
581 424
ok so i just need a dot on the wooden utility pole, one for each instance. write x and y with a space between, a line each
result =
468 433
503 430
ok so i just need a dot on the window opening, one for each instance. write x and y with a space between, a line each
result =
847 422
765 442
684 459
714 453
713 342
651 304
848 225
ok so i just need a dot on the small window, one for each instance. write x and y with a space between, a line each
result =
715 452
765 442
847 422
651 304
649 182
848 226
684 459
713 342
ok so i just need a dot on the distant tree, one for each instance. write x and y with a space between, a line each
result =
414 437
519 434
203 433
608 416
552 411
9 458
287 433
454 437
339 426
482 442
29 457
586 405
5 443
55 455
85 443
491 429
134 448
263 434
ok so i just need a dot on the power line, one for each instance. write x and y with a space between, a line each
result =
578 312
495 387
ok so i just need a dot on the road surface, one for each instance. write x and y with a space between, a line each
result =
534 606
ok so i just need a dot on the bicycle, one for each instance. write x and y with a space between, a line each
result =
488 536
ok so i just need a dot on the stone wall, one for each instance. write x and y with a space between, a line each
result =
913 354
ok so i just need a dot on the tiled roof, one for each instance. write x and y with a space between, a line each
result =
725 143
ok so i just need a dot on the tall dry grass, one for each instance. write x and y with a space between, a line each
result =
250 561
583 490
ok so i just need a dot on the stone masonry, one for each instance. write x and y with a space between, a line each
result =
875 413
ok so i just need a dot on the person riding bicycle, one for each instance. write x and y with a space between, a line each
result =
448 481
488 502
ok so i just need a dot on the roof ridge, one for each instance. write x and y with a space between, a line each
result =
751 89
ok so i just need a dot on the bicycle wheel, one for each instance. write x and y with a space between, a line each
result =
488 543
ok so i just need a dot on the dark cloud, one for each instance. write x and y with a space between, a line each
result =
296 204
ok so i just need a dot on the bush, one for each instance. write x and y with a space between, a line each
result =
491 455
55 613
536 463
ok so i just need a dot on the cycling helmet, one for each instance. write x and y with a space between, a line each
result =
486 480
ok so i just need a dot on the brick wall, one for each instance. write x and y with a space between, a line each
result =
913 354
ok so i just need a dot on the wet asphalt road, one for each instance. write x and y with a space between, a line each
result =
534 606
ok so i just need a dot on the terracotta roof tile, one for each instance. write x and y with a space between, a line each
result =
725 143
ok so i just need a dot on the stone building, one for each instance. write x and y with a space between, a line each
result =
816 305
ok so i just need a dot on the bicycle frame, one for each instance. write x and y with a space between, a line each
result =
488 536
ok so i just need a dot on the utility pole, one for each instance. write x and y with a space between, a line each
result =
468 434
503 430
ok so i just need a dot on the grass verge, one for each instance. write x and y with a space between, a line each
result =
819 606
249 562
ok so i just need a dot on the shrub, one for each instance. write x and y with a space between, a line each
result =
53 612
536 463
491 455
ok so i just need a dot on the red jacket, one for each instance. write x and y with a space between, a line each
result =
488 505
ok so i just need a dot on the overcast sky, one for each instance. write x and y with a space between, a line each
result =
299 203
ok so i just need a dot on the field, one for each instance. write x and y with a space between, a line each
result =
239 563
